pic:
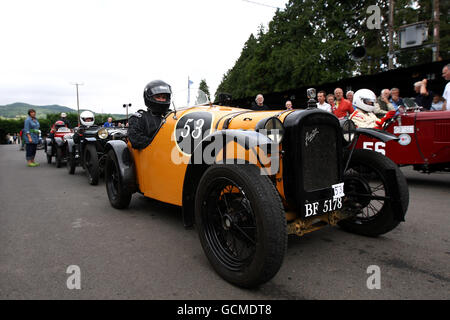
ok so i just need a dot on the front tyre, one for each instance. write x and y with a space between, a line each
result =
375 202
59 157
49 156
118 195
91 164
241 223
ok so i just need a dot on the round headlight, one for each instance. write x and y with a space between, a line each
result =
102 133
348 130
273 128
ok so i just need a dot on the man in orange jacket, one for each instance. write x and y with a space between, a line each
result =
343 107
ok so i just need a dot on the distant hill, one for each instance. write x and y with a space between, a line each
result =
20 109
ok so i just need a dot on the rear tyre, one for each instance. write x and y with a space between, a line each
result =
370 196
241 223
118 196
71 164
91 164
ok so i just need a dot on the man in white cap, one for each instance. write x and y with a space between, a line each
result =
349 95
64 119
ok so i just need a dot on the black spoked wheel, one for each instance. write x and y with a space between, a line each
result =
374 202
230 224
118 196
71 164
59 157
91 164
241 224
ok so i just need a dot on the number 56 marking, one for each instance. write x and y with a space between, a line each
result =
378 147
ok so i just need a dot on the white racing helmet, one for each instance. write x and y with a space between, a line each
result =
364 99
87 118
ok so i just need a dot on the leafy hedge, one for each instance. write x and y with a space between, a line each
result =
12 126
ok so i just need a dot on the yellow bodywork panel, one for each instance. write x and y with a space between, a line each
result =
161 178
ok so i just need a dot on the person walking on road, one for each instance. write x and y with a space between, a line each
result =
22 140
31 137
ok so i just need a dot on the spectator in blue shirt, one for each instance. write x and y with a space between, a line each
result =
437 103
31 137
395 98
108 124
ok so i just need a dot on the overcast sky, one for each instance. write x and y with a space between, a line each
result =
115 47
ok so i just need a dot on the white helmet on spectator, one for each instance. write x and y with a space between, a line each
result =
87 118
364 99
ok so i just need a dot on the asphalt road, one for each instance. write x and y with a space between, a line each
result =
50 221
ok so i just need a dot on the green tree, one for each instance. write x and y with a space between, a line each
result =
204 87
10 126
309 43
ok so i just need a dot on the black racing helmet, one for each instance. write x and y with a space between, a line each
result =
157 87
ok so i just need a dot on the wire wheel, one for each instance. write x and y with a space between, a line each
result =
241 223
230 226
365 189
376 194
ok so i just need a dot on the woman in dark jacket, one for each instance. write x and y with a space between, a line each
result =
31 137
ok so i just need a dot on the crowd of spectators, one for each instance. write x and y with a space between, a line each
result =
388 100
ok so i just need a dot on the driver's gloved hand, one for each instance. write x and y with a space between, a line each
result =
388 116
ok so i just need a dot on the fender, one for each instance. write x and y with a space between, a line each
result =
376 133
125 162
246 139
196 166
70 144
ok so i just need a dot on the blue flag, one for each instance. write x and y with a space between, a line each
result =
189 91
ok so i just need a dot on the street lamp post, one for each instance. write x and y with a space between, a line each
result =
78 102
391 35
127 106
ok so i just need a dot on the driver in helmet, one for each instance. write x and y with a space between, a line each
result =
364 102
86 120
58 124
144 125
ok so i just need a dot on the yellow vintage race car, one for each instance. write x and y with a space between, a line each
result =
247 179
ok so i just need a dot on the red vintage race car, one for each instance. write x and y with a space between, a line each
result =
54 145
424 139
